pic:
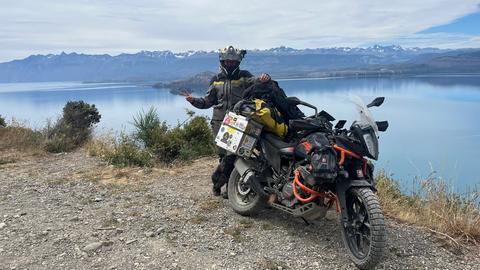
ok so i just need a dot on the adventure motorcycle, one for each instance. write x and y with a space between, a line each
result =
315 168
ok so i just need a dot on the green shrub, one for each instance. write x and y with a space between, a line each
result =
148 127
167 146
80 115
127 153
59 143
3 123
73 129
198 137
58 137
186 141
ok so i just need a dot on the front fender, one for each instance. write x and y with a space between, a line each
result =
343 187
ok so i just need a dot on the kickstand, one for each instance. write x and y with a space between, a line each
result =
306 221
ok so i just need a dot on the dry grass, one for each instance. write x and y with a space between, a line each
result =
198 219
434 206
235 232
17 136
269 264
246 223
267 226
110 222
7 160
101 145
209 204
114 177
121 152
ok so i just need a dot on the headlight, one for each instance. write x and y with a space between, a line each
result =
366 135
371 143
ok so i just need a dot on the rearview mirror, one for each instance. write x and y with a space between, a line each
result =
296 101
376 102
327 116
340 124
382 125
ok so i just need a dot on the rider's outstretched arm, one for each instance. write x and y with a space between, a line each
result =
208 100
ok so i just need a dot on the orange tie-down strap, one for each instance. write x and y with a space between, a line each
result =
332 198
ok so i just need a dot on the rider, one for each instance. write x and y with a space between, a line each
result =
226 89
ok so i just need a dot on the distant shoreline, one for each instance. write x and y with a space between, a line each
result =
378 75
279 78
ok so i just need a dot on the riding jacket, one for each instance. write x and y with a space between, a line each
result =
224 92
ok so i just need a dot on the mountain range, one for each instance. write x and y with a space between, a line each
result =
281 62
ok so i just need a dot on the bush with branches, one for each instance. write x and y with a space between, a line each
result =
73 129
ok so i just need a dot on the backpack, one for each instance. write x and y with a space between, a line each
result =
271 93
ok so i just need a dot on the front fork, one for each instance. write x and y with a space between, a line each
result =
342 188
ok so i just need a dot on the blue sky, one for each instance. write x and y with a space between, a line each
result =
468 24
123 26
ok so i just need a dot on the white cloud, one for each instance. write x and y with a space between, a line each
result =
107 26
437 40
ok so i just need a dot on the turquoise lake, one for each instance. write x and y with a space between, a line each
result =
434 120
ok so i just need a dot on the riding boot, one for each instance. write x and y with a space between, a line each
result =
216 189
225 193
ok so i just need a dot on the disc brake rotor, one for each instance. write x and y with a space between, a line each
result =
243 187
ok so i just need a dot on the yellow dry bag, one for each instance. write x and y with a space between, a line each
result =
270 118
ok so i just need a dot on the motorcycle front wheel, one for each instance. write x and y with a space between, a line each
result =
243 199
364 235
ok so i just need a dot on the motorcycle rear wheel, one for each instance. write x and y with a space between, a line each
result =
365 233
243 199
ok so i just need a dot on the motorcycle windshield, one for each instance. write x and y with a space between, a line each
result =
366 118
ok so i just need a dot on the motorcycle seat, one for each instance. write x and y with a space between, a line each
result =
286 148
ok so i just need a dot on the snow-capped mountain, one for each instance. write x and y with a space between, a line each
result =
168 65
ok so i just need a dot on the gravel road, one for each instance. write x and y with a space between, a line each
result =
71 211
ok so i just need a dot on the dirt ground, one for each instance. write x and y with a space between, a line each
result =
71 211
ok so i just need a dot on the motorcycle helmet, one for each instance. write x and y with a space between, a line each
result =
245 108
230 59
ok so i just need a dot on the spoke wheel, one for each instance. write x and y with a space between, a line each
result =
243 199
364 234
